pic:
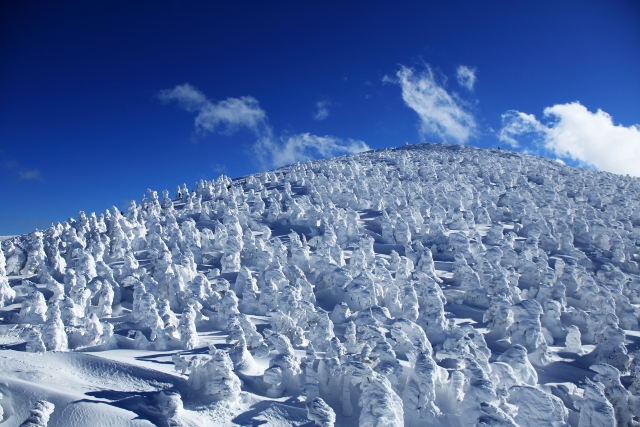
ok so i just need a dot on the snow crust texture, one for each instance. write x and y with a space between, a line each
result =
429 285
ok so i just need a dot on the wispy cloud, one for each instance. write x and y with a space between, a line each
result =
27 174
322 110
516 124
219 168
441 113
572 132
296 148
226 117
234 114
466 76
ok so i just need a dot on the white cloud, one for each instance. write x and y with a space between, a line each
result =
226 116
466 76
300 147
516 123
234 114
322 111
187 96
440 113
574 132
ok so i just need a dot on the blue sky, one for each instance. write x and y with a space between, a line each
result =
101 100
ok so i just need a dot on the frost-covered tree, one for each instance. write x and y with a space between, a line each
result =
7 294
36 257
420 393
535 407
572 341
610 348
33 340
242 360
284 375
187 327
527 330
105 301
380 405
619 397
15 258
34 307
212 377
516 358
39 415
320 413
363 291
54 335
595 409
93 330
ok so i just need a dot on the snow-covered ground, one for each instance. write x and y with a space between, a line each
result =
429 285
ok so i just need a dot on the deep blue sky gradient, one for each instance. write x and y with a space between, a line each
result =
79 82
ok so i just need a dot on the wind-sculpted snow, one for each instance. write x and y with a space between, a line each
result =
429 285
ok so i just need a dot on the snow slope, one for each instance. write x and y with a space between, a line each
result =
429 285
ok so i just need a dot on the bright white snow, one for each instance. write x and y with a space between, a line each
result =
429 285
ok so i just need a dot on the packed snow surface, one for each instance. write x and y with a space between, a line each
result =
429 285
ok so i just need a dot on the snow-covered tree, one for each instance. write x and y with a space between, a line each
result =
39 415
320 413
212 377
187 327
54 335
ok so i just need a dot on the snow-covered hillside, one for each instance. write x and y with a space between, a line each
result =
429 285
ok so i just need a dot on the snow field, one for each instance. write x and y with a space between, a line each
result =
429 285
